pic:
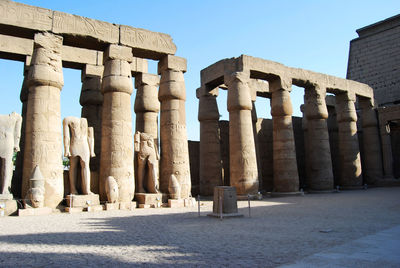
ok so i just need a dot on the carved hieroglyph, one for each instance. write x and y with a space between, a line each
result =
147 163
10 132
116 134
78 147
243 161
173 134
43 135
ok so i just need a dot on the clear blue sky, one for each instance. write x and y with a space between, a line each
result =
313 35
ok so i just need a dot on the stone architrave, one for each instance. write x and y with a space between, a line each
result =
79 148
210 170
91 100
348 141
286 178
116 133
372 169
147 163
173 135
43 135
320 177
10 133
243 160
147 104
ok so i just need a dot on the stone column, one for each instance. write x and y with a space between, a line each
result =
242 151
116 132
372 169
256 143
43 135
350 162
147 104
307 164
320 177
16 183
210 147
173 134
386 142
91 100
333 138
286 177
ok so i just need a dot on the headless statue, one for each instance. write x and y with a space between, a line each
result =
79 147
147 163
10 133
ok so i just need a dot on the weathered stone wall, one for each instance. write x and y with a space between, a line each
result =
374 59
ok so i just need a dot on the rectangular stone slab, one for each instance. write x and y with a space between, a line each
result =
82 200
34 211
148 199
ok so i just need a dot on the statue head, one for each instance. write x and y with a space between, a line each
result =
37 197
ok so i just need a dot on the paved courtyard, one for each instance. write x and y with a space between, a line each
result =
352 228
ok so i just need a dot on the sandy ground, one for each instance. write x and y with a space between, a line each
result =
280 231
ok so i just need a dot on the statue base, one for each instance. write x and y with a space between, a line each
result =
35 211
181 203
6 197
8 206
146 200
82 201
112 206
127 205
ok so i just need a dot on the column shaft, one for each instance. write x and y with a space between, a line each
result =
147 104
210 147
243 160
372 169
387 154
173 135
320 177
348 141
116 133
43 143
286 178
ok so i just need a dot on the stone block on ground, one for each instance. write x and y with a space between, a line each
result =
112 206
8 207
181 203
83 200
127 205
35 211
225 202
94 208
153 200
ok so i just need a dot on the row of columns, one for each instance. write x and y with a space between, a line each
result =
243 162
105 99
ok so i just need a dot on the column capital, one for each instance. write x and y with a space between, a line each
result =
314 100
117 52
146 79
239 95
280 83
208 108
171 62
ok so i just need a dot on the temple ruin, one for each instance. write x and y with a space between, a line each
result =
108 55
245 78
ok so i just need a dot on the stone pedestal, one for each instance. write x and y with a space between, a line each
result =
225 202
180 203
116 132
286 178
210 170
35 211
111 206
43 135
348 141
145 200
173 134
8 206
76 203
127 205
242 152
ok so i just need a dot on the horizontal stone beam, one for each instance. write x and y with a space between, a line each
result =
22 20
17 48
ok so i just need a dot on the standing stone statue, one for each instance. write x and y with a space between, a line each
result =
10 133
147 163
79 147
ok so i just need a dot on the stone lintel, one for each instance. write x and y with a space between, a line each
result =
171 62
151 44
73 57
116 52
139 65
15 48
